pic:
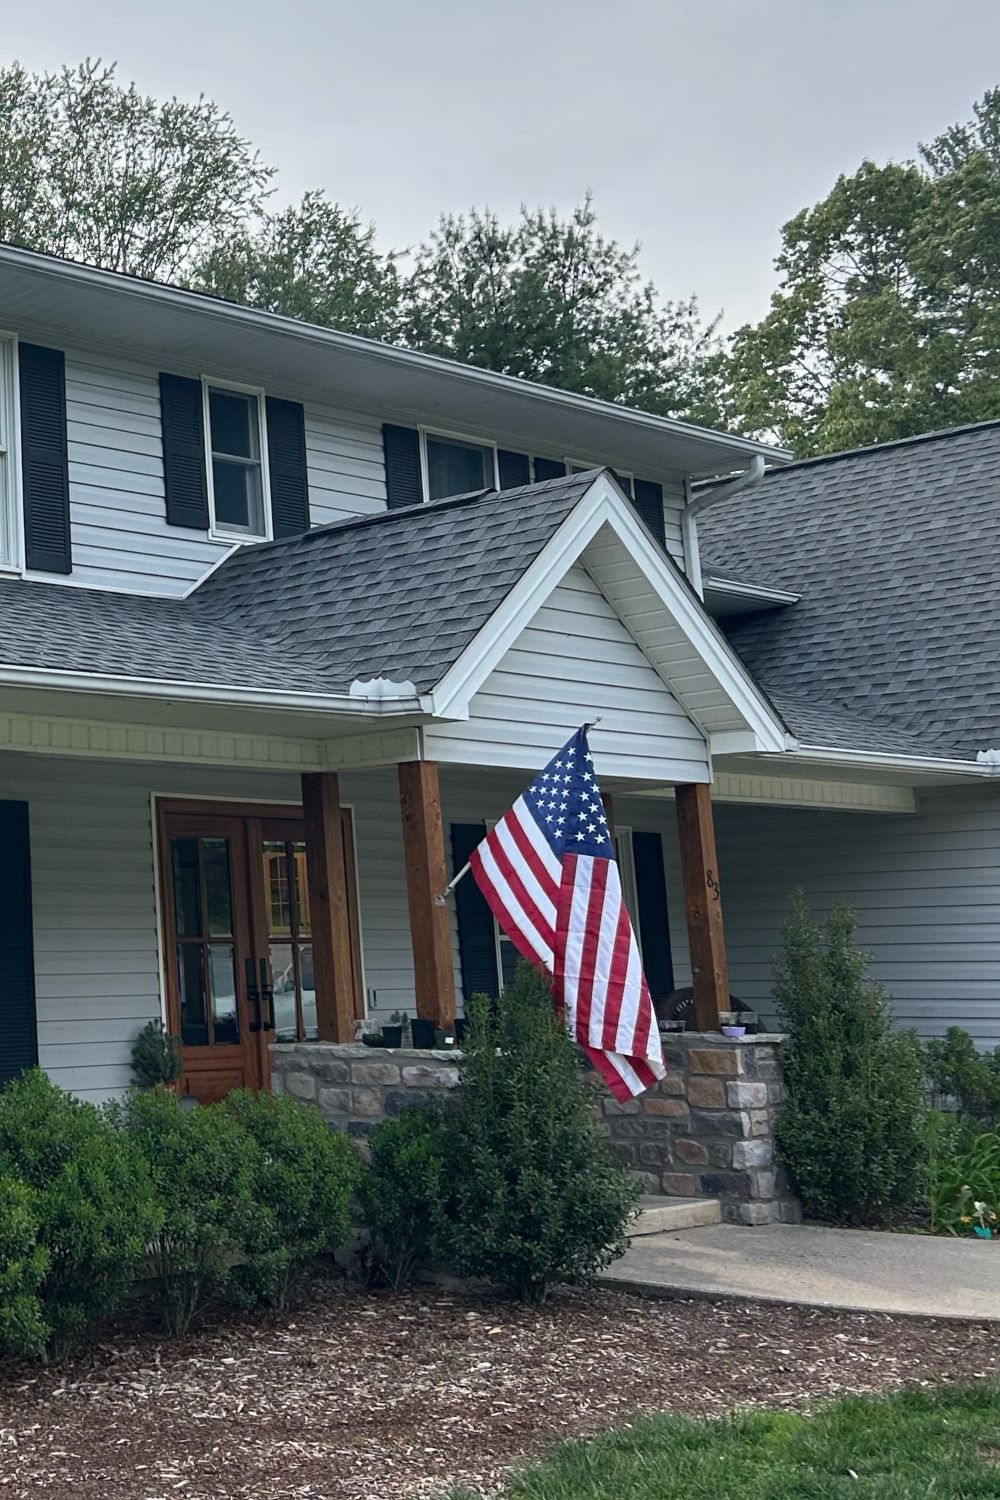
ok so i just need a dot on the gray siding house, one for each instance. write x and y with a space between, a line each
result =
287 616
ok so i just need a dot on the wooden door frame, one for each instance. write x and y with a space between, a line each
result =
252 814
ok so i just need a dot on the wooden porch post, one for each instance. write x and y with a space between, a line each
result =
702 904
328 907
426 878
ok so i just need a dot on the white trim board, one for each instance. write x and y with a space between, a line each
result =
602 508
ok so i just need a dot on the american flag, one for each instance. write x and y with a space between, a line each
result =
549 875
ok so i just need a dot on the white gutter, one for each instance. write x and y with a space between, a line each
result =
711 495
373 706
827 754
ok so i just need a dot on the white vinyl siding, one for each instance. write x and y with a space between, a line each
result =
121 539
673 506
926 888
574 662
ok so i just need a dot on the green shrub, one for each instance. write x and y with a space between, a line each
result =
536 1197
23 1264
852 1129
961 1076
203 1167
93 1202
156 1055
304 1175
963 1172
403 1194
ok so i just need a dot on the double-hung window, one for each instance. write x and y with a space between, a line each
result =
454 466
10 489
239 499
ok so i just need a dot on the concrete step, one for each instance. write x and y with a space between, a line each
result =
658 1215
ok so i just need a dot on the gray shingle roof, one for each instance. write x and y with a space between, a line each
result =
399 594
896 553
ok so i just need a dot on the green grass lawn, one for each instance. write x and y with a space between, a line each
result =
943 1445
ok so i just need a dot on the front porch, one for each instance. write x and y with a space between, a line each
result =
102 953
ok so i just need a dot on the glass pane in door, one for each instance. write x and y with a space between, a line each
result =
206 955
286 898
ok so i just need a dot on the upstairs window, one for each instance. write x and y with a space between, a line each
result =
457 467
239 503
10 530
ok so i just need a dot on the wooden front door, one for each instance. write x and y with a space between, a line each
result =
239 958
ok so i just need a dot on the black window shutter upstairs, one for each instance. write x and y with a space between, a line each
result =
286 465
476 937
44 459
182 422
651 898
548 468
403 485
19 1044
648 501
515 469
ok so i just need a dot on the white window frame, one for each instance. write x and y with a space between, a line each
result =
11 491
217 533
579 465
465 438
625 856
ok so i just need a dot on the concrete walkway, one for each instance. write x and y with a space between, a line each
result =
914 1274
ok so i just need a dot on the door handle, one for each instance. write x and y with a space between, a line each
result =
266 996
253 995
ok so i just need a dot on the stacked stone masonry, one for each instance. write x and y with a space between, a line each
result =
354 1086
706 1131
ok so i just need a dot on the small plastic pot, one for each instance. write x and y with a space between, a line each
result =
392 1036
422 1033
734 1031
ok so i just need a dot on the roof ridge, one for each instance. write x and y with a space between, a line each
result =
940 434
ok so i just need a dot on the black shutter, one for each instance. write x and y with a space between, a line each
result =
648 501
18 1033
44 459
182 420
651 897
403 484
515 469
286 465
548 468
476 936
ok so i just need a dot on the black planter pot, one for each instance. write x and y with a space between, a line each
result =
392 1036
422 1033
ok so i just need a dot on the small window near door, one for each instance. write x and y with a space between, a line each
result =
238 494
458 468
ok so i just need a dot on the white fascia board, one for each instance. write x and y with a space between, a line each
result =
603 504
205 692
878 760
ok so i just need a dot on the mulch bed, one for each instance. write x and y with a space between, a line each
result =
357 1396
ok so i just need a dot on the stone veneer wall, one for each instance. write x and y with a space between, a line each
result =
707 1130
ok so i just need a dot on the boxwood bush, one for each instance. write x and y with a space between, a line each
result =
202 1167
535 1196
404 1194
302 1178
92 1205
23 1264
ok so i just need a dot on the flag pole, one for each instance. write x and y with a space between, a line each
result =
442 899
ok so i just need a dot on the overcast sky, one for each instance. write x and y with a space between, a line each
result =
700 125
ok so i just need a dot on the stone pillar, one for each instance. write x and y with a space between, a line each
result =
707 1130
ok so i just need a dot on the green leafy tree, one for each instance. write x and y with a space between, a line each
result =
852 1129
887 319
314 260
95 171
552 300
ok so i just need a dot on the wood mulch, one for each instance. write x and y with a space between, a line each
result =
357 1396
